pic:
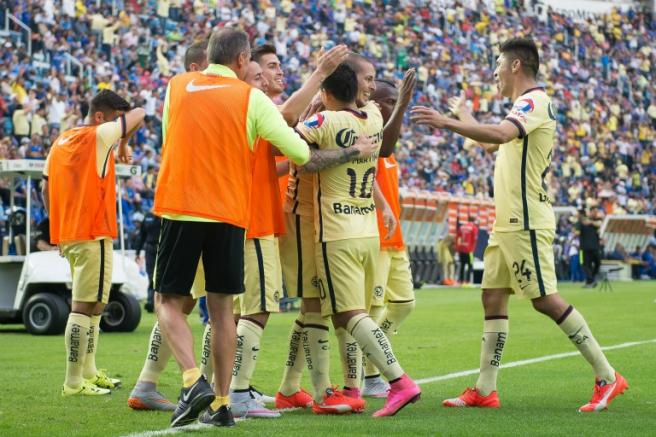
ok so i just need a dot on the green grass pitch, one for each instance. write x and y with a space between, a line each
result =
442 336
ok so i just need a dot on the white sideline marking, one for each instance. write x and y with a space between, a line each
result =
200 426
528 361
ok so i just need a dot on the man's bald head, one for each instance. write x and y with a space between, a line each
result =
386 96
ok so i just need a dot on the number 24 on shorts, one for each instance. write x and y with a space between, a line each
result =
520 269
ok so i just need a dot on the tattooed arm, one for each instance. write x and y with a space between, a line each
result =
323 159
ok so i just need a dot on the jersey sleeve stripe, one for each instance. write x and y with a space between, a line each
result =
523 184
536 261
522 131
304 138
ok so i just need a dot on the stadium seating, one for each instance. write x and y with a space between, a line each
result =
601 73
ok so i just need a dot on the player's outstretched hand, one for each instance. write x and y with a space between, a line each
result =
458 107
330 60
366 146
407 87
428 116
124 152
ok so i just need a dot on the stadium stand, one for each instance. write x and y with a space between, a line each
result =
600 72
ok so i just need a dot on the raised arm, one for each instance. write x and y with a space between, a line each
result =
393 127
483 133
294 106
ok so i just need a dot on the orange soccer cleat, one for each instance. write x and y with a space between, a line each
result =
604 394
472 398
335 402
300 399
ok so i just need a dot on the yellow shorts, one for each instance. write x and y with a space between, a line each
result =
346 271
91 269
393 281
262 278
198 287
522 261
299 270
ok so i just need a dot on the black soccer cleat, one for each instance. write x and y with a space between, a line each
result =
192 402
222 417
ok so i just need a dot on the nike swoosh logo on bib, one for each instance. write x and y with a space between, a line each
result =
191 88
388 165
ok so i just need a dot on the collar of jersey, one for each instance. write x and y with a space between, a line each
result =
219 70
535 88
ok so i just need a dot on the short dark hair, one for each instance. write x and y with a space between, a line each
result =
226 45
385 83
261 50
342 84
355 61
526 51
195 54
106 101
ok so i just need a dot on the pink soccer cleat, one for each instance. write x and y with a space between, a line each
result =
402 392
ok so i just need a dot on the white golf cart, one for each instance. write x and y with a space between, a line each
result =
35 287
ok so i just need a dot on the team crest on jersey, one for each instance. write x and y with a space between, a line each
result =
315 121
525 105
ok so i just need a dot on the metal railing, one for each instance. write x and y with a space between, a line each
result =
70 59
19 23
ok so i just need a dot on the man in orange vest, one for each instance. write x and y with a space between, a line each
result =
144 395
210 123
79 193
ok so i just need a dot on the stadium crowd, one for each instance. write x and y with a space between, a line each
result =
600 73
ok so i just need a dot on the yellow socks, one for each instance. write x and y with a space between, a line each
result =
351 357
291 378
495 333
157 357
76 339
574 326
206 363
376 313
220 401
189 377
90 370
249 333
317 352
395 314
375 345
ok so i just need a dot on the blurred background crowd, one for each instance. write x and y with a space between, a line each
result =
600 72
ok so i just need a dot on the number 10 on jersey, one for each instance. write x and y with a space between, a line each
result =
366 186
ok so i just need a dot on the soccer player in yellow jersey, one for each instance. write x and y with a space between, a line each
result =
346 230
519 257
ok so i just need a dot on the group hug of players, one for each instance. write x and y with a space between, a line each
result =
333 239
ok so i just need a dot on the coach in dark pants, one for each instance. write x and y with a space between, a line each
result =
148 238
210 123
588 228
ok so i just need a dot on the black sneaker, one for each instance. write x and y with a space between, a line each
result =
221 417
192 401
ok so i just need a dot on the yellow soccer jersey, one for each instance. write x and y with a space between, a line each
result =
344 206
300 190
520 192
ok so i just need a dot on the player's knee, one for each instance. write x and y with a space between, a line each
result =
311 305
552 305
495 302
